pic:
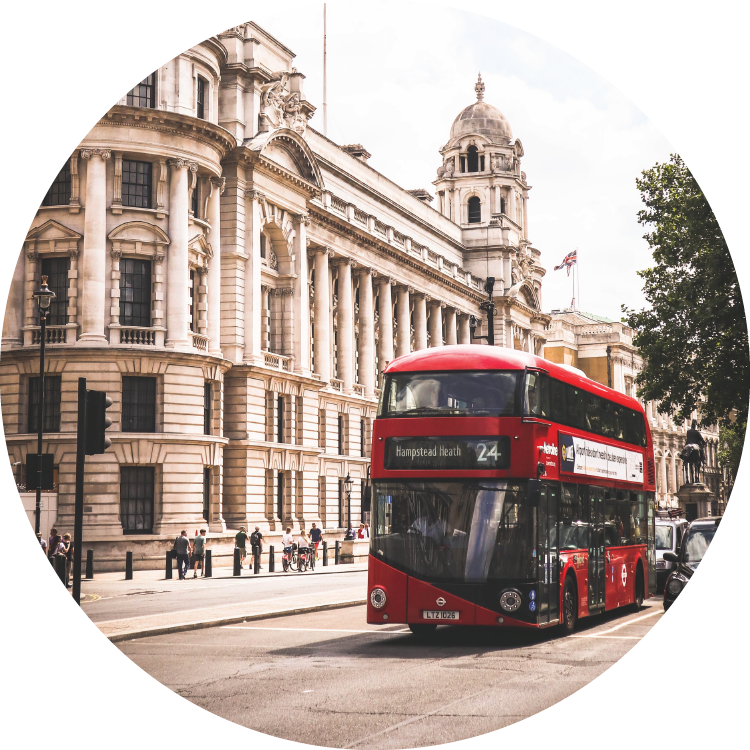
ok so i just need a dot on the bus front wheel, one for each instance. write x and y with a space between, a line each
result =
422 630
570 609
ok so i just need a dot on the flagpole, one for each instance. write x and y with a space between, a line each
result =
579 280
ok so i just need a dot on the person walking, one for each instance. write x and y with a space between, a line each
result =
182 548
361 531
52 543
199 551
256 543
42 543
68 558
240 541
316 537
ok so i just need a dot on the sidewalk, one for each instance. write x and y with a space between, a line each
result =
267 606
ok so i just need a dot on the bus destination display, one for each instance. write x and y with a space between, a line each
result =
447 452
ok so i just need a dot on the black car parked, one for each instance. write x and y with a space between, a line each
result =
695 542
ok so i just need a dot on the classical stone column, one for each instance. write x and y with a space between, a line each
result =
663 475
13 320
385 323
253 339
301 299
266 315
213 216
332 330
436 323
345 324
450 326
526 216
511 212
464 330
420 321
178 270
403 318
95 248
321 324
366 333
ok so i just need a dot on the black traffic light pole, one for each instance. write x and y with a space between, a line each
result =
80 465
489 306
91 440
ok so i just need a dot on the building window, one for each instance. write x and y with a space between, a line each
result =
206 494
56 271
475 210
59 191
137 499
280 419
472 159
200 109
51 404
191 301
144 94
341 434
280 496
136 183
502 205
207 408
462 159
138 404
135 292
263 246
195 199
341 503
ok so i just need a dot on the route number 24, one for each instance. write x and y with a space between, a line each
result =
487 451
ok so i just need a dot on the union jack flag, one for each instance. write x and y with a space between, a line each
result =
568 261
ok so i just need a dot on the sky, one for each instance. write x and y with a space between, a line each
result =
396 87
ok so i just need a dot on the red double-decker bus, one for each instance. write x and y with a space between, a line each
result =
506 491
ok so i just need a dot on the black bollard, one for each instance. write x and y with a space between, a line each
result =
168 569
208 570
89 564
271 561
128 566
237 564
58 562
256 560
337 553
325 552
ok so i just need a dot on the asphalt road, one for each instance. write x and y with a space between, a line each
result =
328 678
114 600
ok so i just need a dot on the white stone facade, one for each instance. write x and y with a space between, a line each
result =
604 350
285 273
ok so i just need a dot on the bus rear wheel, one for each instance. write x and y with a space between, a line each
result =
422 630
570 610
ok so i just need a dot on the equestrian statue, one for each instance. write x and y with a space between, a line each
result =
693 455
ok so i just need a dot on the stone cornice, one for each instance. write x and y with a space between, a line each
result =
323 217
171 122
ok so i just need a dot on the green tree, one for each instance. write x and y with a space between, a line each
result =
731 440
693 337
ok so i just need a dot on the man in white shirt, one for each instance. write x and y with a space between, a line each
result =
287 539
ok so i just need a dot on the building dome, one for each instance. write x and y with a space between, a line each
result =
482 119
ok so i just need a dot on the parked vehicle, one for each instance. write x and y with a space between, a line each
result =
695 542
669 533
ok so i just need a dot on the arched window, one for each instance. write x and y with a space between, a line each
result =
472 158
475 210
502 205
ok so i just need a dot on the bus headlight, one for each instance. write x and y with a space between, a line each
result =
377 598
510 600
675 586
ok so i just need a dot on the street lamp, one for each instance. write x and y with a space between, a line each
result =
489 307
348 487
43 296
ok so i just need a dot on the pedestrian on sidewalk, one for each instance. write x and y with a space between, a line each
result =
361 531
56 547
240 540
367 531
68 557
256 542
199 551
53 543
182 548
42 544
350 535
316 537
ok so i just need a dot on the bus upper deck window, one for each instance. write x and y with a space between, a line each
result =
536 395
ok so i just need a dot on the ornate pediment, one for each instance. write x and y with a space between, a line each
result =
201 246
52 237
139 232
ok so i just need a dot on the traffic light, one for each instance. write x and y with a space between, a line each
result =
97 421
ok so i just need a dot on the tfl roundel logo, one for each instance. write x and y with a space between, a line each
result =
440 601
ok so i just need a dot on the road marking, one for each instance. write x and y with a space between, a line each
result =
310 630
611 637
605 633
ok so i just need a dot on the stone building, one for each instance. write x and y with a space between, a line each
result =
604 350
237 282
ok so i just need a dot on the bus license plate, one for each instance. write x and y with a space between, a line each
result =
438 614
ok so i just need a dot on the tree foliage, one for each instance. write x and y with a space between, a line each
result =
731 441
693 338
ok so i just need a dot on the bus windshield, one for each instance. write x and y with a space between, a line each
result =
455 530
461 392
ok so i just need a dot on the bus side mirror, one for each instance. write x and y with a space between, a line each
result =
535 492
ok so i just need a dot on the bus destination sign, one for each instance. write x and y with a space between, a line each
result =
447 453
580 456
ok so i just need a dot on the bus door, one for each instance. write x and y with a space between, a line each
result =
548 565
596 549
